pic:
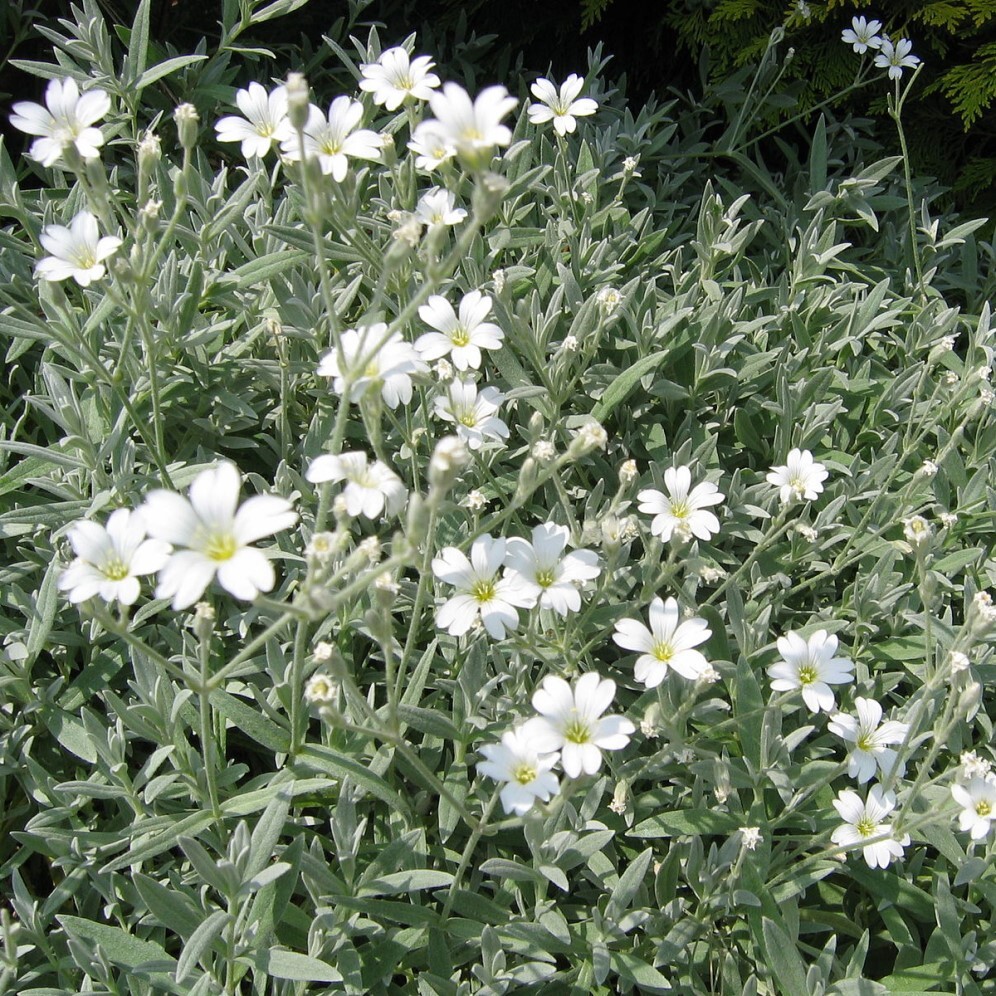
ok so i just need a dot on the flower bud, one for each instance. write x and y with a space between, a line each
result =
298 100
186 119
448 458
591 436
488 194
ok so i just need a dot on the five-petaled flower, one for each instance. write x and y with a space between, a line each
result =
334 140
801 477
66 119
681 513
372 361
668 644
978 802
77 251
870 737
571 721
810 664
110 560
265 121
561 108
896 57
438 207
370 487
523 766
214 533
474 412
865 821
395 78
862 35
549 574
460 336
471 128
480 591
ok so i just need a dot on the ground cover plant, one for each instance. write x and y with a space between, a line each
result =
472 538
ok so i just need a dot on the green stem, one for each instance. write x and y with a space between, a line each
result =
468 853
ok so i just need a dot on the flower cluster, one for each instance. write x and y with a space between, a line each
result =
193 540
570 728
863 35
532 573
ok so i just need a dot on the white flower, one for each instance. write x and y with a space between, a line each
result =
471 128
438 207
572 721
110 560
216 533
65 120
666 645
929 468
525 769
917 530
681 513
460 337
958 661
264 123
389 369
870 736
369 489
608 299
543 450
480 592
810 665
321 691
750 837
474 413
551 577
394 77
896 57
862 35
335 141
985 608
973 766
864 821
430 145
947 519
978 802
801 477
77 251
475 500
561 108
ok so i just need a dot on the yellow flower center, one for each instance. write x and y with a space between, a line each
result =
866 742
221 547
525 773
807 674
460 336
663 651
468 419
545 578
115 570
577 731
680 509
866 827
983 808
483 591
